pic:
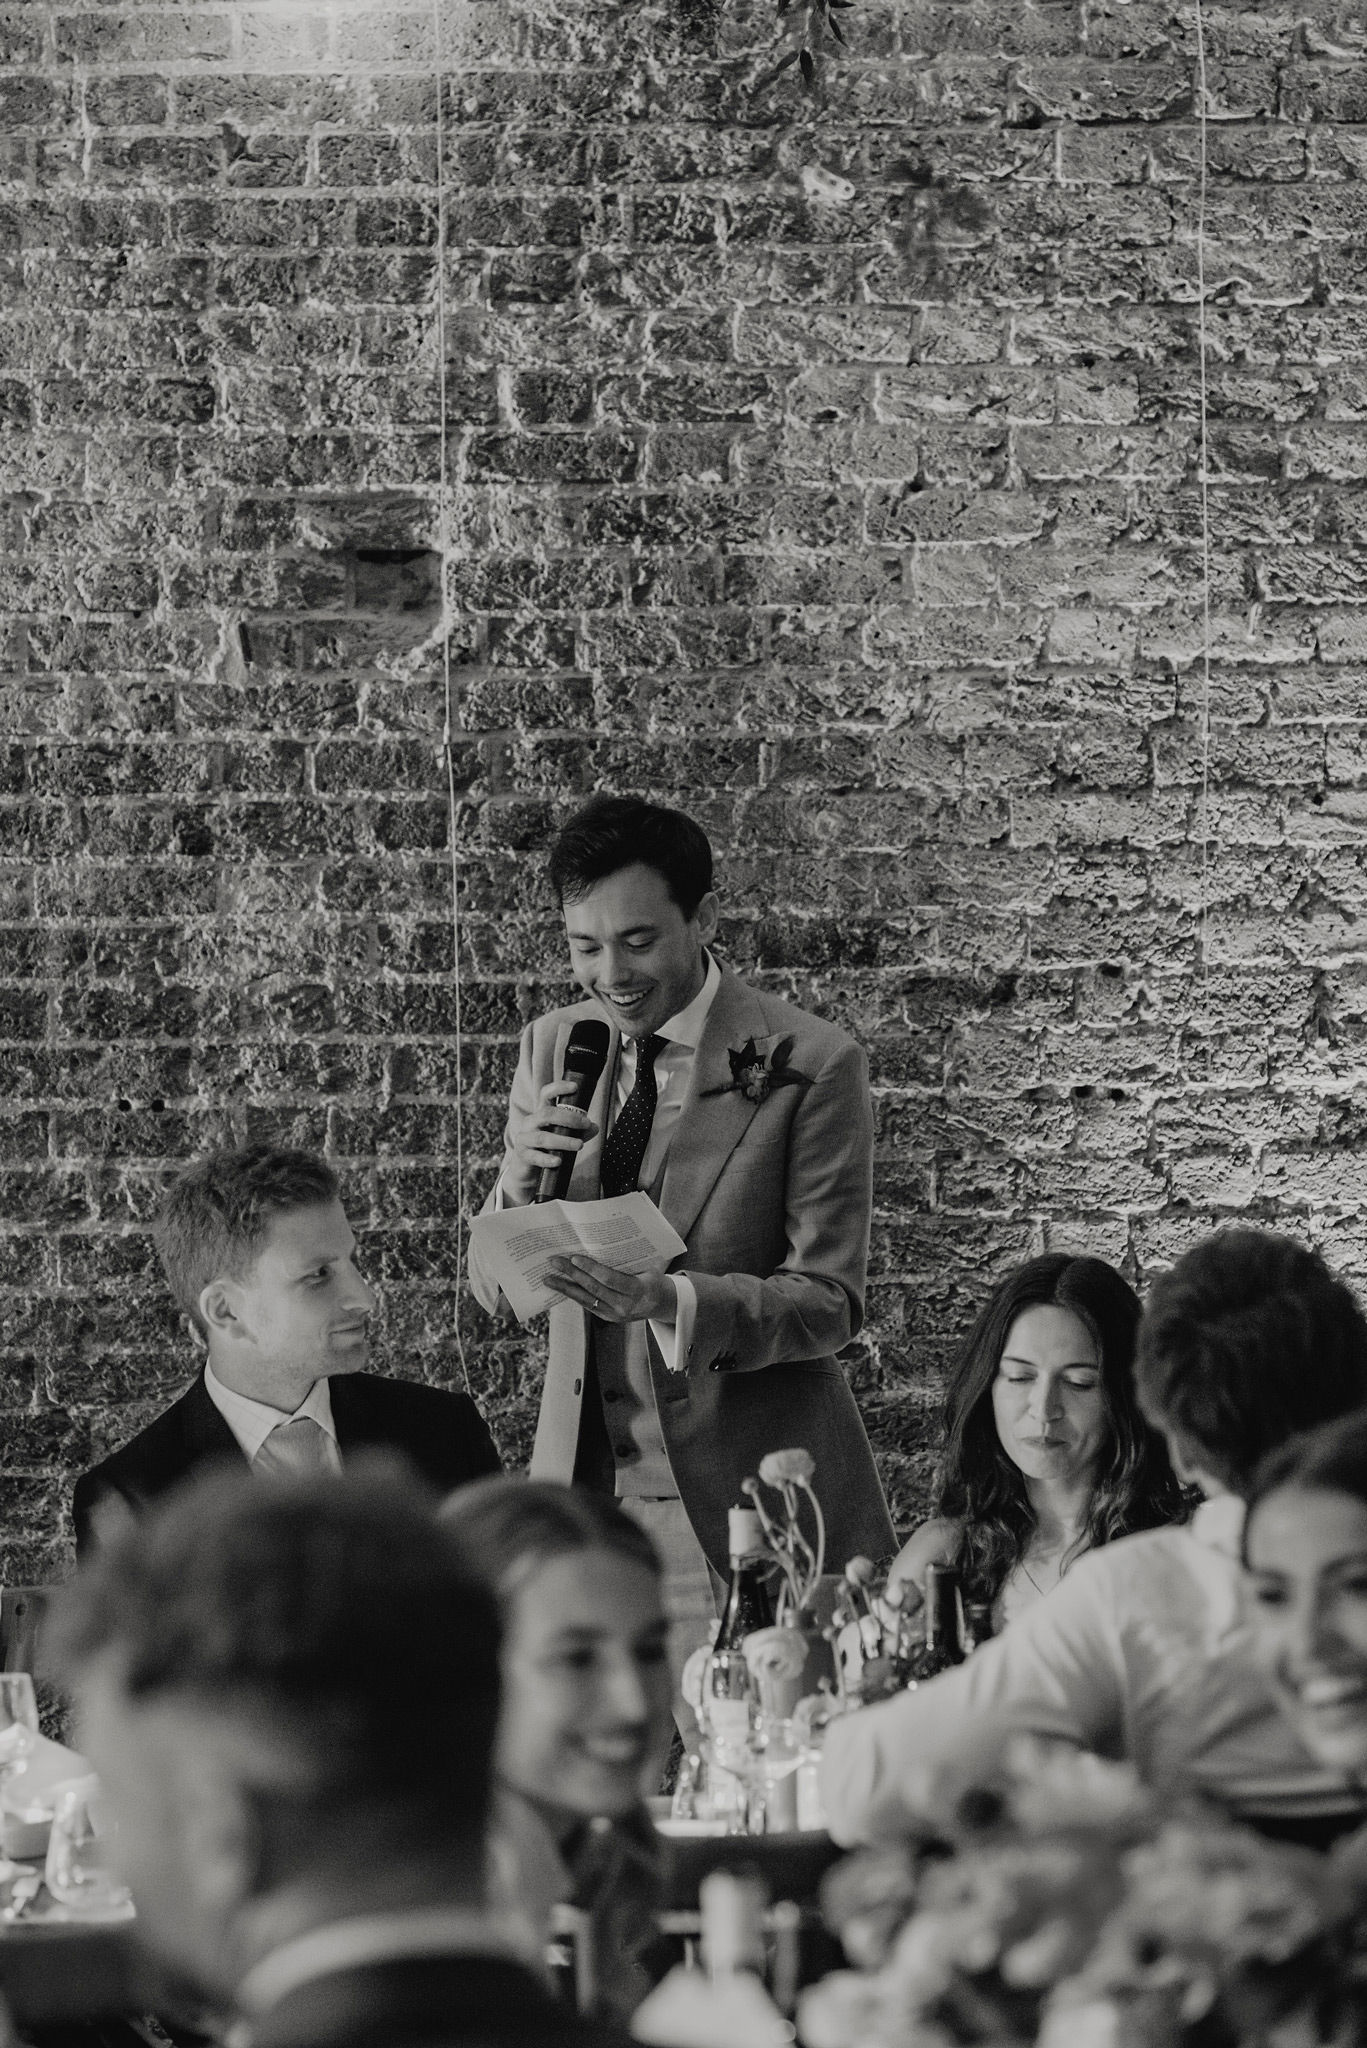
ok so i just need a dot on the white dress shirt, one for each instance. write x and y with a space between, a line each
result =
673 1072
1143 1650
251 1422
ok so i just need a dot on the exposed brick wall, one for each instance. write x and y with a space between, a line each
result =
826 465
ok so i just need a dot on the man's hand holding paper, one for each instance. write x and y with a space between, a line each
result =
611 1252
613 1296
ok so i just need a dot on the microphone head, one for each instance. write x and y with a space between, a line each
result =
588 1047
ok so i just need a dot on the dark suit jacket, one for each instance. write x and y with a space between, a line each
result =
457 2001
442 1433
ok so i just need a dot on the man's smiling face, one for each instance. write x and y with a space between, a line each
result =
633 950
298 1314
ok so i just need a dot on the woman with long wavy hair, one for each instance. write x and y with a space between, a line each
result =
1046 1453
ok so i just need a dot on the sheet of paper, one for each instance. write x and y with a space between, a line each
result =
626 1232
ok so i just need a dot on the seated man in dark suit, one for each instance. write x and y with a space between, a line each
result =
299 1774
260 1256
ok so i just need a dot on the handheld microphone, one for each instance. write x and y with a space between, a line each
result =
586 1055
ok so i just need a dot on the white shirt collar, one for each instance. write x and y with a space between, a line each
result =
367 1939
251 1422
686 1028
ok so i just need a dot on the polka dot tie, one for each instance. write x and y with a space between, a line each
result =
625 1150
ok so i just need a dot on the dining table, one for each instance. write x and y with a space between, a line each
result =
67 1980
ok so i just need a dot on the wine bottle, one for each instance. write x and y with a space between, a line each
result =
748 1602
944 1628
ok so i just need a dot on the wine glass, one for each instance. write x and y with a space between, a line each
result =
749 1751
773 1753
18 1727
78 1873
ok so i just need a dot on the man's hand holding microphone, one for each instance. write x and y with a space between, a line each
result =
548 1144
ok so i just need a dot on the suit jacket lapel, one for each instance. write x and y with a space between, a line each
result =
715 1117
355 1427
205 1433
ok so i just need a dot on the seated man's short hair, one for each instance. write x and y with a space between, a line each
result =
214 1217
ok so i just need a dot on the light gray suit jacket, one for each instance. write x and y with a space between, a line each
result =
773 1201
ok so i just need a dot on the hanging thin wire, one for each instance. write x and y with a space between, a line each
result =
448 689
1202 117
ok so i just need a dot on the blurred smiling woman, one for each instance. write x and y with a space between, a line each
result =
1046 1453
1305 1552
585 1719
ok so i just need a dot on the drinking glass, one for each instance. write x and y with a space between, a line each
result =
772 1755
749 1752
728 1711
78 1873
18 1727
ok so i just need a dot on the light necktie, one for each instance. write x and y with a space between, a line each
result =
294 1450
625 1149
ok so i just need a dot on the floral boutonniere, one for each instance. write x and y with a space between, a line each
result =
758 1067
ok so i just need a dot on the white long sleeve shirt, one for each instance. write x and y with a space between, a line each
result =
1142 1651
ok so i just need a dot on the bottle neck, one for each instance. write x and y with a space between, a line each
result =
943 1630
748 1561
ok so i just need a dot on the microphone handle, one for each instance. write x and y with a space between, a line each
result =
555 1180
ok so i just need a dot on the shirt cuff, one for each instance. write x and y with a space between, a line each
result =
676 1338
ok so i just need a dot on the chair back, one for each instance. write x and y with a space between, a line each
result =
23 1611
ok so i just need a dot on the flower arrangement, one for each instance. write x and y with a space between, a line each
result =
1059 1905
789 1474
875 1641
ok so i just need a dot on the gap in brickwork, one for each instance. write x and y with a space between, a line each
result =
396 579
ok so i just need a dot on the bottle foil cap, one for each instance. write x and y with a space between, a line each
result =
744 1532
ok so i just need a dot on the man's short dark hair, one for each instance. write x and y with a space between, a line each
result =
214 1218
1246 1341
1330 1459
334 1619
616 832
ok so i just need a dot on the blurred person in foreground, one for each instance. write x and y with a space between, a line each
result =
585 1722
290 1696
260 1256
1145 1649
1046 1453
1305 1549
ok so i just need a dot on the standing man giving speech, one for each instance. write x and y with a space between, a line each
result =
748 1122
